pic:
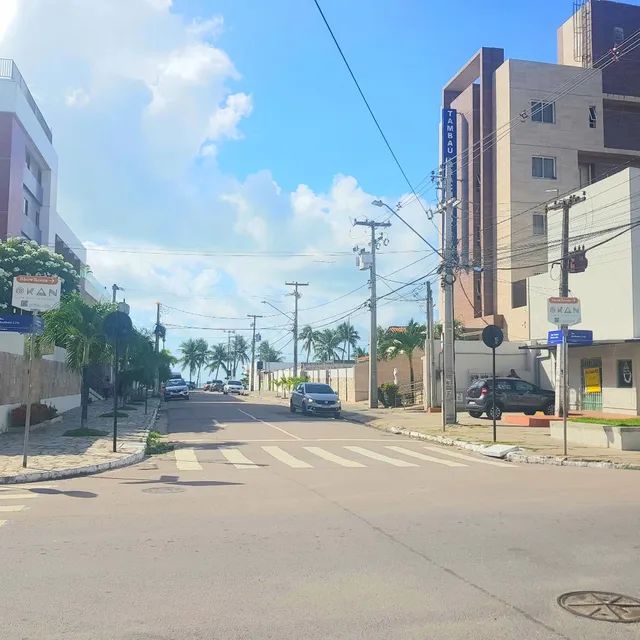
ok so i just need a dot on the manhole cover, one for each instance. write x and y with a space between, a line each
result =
601 605
164 490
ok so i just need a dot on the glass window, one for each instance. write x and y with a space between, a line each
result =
523 387
543 112
593 117
27 160
318 388
518 294
39 175
504 385
625 373
25 207
618 35
539 224
542 167
38 218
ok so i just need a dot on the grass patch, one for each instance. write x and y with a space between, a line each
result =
84 432
156 444
138 402
109 414
610 422
127 407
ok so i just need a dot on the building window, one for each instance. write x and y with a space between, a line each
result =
543 112
593 117
27 159
543 167
618 35
38 218
539 224
25 207
518 294
625 373
39 176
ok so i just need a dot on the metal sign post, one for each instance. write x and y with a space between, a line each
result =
492 336
565 388
27 416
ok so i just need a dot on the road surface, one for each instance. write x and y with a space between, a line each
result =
264 524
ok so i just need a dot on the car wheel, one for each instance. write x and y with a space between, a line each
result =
475 414
304 410
292 408
497 413
226 393
337 415
529 413
550 409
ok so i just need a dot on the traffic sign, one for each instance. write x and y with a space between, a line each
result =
117 326
22 324
36 293
574 336
563 311
492 336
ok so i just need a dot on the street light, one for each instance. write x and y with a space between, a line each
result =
286 315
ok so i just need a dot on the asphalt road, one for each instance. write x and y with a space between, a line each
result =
264 524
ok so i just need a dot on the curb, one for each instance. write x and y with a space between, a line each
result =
522 457
74 472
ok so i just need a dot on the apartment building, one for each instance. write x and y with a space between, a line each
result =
527 132
29 174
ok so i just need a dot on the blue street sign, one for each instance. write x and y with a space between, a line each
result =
21 324
574 336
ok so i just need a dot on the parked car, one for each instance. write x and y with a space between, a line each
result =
233 386
207 386
313 397
191 385
512 394
176 388
217 385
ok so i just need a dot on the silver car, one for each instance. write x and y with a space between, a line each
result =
313 397
233 386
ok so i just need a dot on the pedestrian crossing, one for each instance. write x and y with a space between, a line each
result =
296 456
16 498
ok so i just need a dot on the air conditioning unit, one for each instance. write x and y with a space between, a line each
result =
364 261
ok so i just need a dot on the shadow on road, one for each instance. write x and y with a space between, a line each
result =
70 494
173 480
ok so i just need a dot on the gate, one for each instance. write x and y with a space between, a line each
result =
591 384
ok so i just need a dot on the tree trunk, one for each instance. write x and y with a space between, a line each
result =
84 396
411 392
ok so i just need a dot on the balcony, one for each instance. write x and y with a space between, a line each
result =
9 71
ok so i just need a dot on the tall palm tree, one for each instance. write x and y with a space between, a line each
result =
239 352
267 353
308 337
201 351
216 358
189 359
326 345
406 342
348 337
77 327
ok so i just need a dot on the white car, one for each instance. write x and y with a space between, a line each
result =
233 386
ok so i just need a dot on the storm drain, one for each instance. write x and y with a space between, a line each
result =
601 605
164 490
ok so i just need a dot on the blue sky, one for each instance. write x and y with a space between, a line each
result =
194 129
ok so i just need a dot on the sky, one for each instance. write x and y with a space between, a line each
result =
211 150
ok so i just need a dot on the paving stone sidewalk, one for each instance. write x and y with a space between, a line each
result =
52 454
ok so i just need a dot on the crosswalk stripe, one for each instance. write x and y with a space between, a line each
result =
18 496
28 487
287 458
186 460
422 456
462 456
2 523
332 457
12 507
382 458
238 459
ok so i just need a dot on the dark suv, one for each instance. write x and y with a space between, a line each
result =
512 394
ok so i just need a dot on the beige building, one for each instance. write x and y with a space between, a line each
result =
527 132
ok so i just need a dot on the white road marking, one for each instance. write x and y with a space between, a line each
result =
186 460
422 456
269 425
2 523
382 458
218 424
287 458
18 496
462 456
332 457
238 459
12 507
27 487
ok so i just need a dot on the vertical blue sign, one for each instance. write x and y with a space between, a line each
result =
449 153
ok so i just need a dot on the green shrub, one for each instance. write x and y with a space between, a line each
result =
390 394
84 432
156 444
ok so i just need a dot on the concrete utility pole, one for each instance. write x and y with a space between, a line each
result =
449 412
157 347
296 295
562 373
229 332
114 288
373 331
429 377
253 348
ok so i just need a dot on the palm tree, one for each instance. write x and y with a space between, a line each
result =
458 330
406 342
360 352
308 337
326 345
217 358
349 338
77 327
201 352
190 356
239 352
267 353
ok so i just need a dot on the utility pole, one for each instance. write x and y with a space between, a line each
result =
562 369
157 348
229 332
373 330
429 378
253 348
296 295
114 288
449 409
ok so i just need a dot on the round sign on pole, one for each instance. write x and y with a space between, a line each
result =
492 336
117 325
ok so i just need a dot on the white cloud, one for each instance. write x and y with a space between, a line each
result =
160 5
211 27
77 98
8 10
224 121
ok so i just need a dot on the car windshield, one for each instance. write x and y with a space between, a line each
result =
235 382
318 388
175 383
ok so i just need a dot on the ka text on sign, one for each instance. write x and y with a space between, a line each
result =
36 293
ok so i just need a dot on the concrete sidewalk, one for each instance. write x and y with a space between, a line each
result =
536 442
54 455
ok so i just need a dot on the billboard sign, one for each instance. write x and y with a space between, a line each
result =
449 153
36 293
563 311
